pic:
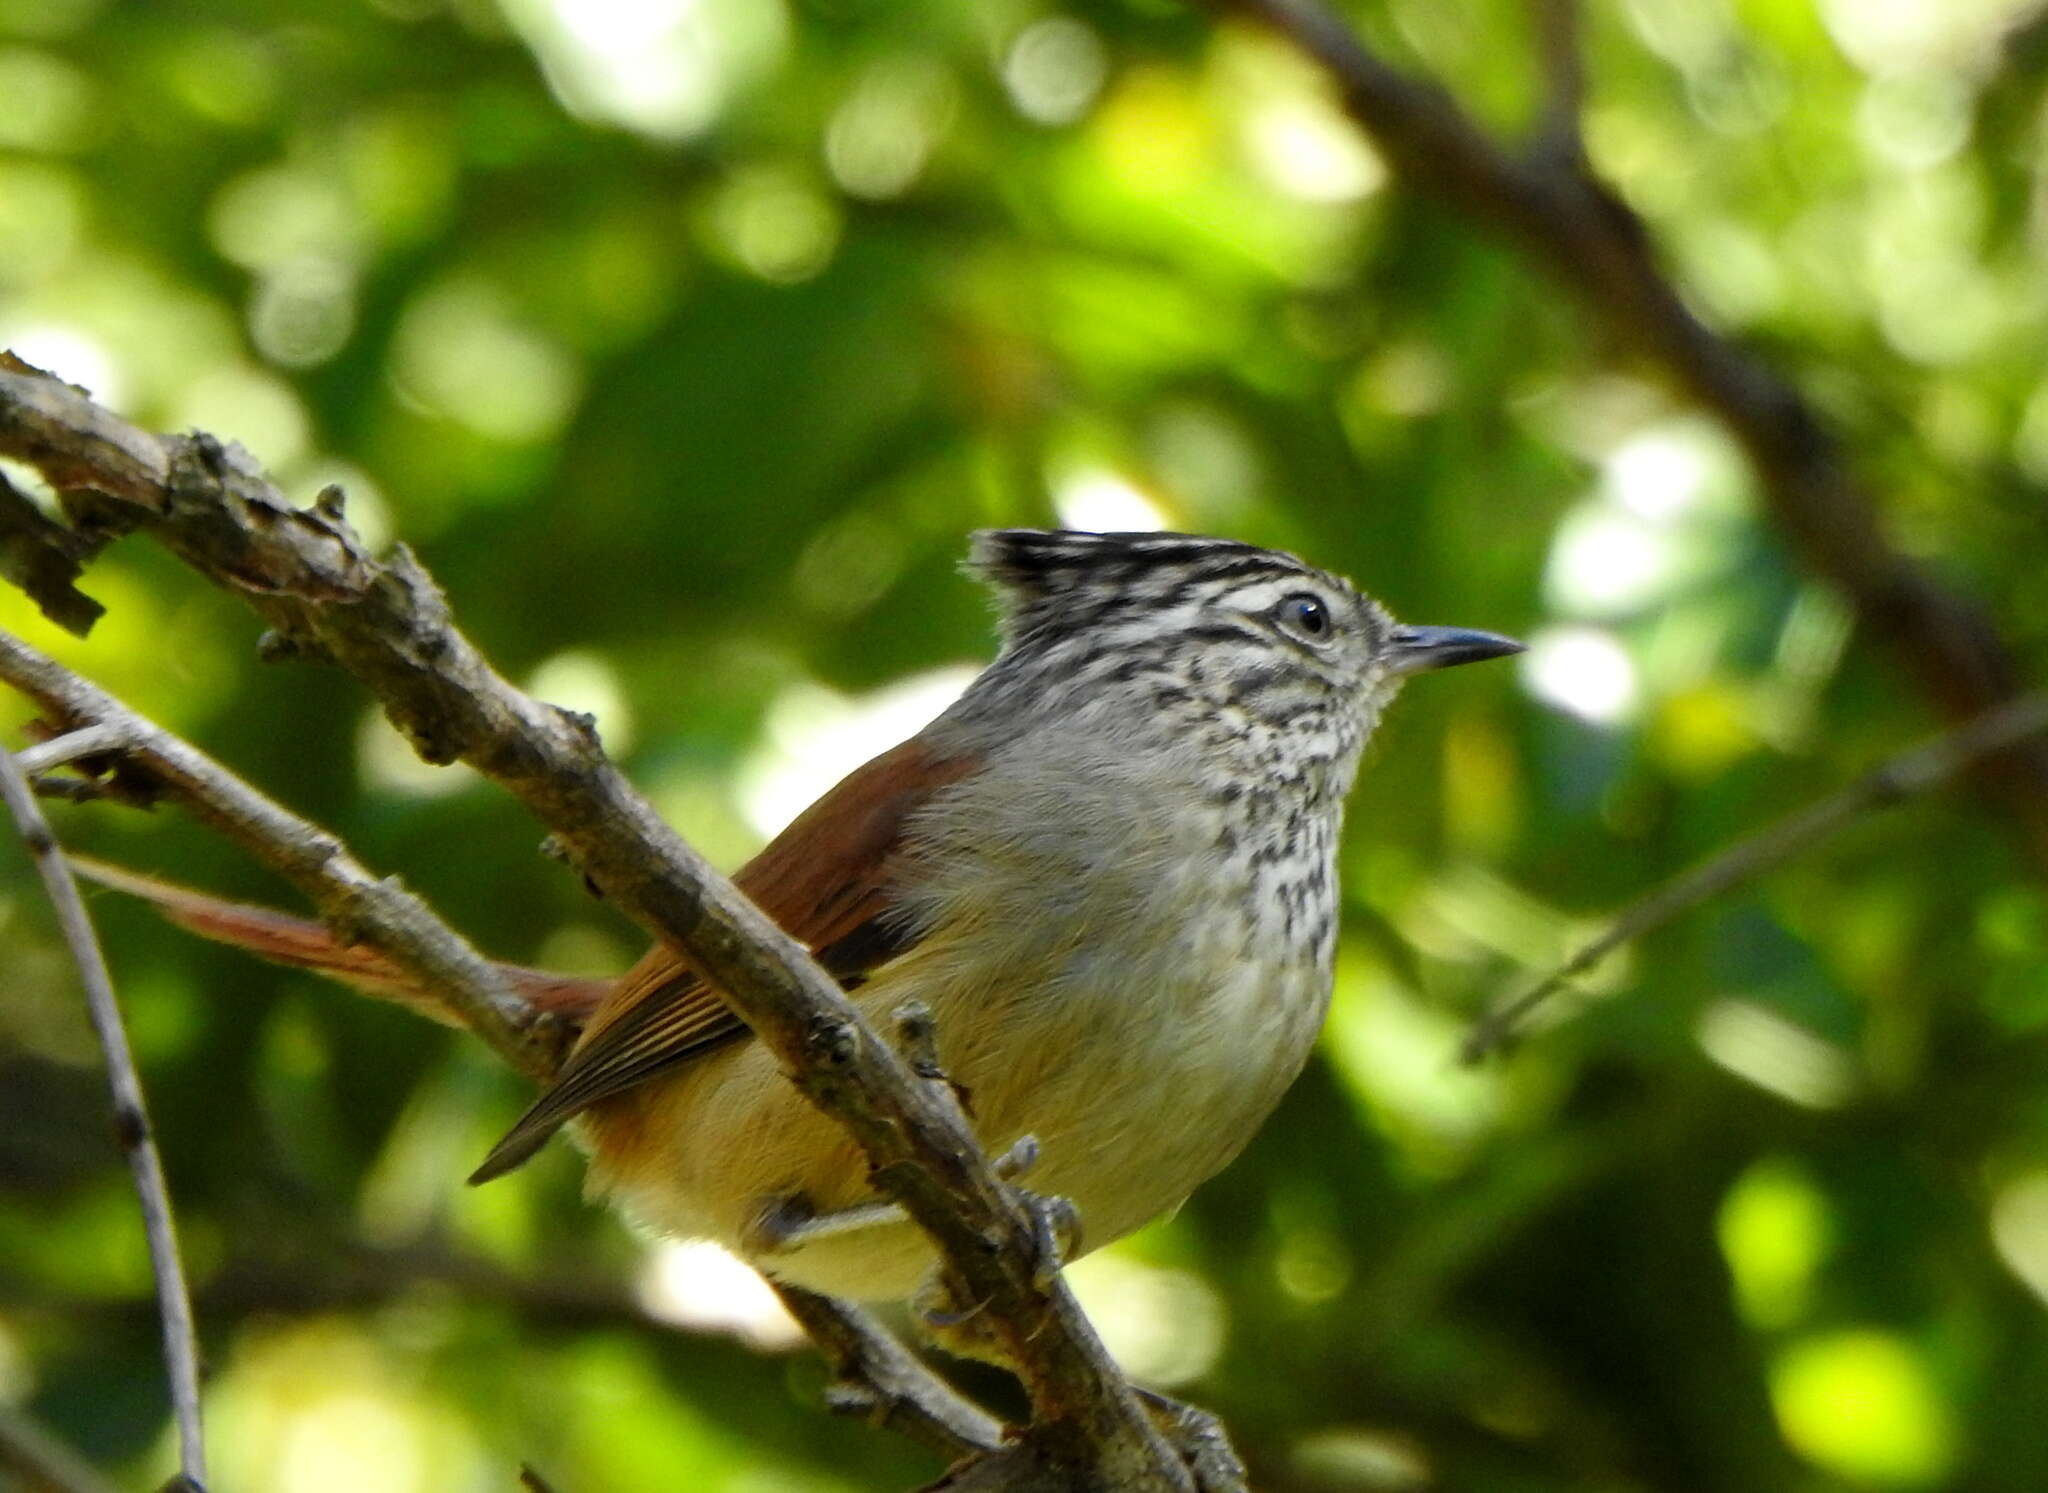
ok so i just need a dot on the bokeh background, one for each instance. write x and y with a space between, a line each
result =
686 339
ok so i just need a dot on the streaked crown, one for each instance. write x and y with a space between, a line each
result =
1059 582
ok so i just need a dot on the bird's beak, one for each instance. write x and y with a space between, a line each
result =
1415 649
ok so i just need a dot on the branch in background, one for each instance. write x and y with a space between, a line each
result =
1557 35
131 1117
876 1379
45 559
1921 770
387 624
34 1461
1570 222
96 740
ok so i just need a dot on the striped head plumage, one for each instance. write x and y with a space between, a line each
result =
1251 646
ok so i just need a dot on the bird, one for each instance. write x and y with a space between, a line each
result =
1108 871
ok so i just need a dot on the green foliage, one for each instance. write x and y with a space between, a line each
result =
686 342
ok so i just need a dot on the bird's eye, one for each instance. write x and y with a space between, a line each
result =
1303 616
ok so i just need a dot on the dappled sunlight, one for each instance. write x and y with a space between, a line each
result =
1311 1265
1465 909
1290 128
1887 35
1584 671
662 67
264 408
50 104
882 138
1375 1460
1781 1057
463 352
1097 499
320 1407
404 1200
1394 1053
73 355
1775 1229
1208 461
276 216
585 683
1054 69
777 224
695 1284
815 736
1607 561
2019 1227
1165 1327
388 764
303 313
1864 1404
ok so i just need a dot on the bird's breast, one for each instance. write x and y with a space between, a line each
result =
1130 966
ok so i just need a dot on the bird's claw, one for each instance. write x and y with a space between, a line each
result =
789 1223
1200 1439
1055 1235
1019 1159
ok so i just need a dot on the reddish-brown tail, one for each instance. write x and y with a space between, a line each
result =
285 939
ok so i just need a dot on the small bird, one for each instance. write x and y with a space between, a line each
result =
1108 871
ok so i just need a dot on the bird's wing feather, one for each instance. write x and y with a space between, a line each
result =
826 880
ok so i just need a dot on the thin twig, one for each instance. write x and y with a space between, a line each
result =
1564 72
86 741
72 790
1920 770
131 1116
34 1461
44 558
876 1379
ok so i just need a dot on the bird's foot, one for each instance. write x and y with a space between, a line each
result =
1055 1234
1019 1159
788 1223
955 1326
1200 1439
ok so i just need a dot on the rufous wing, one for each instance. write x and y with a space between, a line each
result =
826 880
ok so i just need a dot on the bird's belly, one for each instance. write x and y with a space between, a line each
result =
1135 1097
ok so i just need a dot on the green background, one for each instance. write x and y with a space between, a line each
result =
687 339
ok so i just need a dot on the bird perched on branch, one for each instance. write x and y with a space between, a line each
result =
1108 871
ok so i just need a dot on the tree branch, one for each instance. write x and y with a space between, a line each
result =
44 559
1575 227
1908 775
1564 72
387 624
877 1380
34 1461
131 1117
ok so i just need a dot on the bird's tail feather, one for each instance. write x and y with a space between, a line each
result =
306 944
